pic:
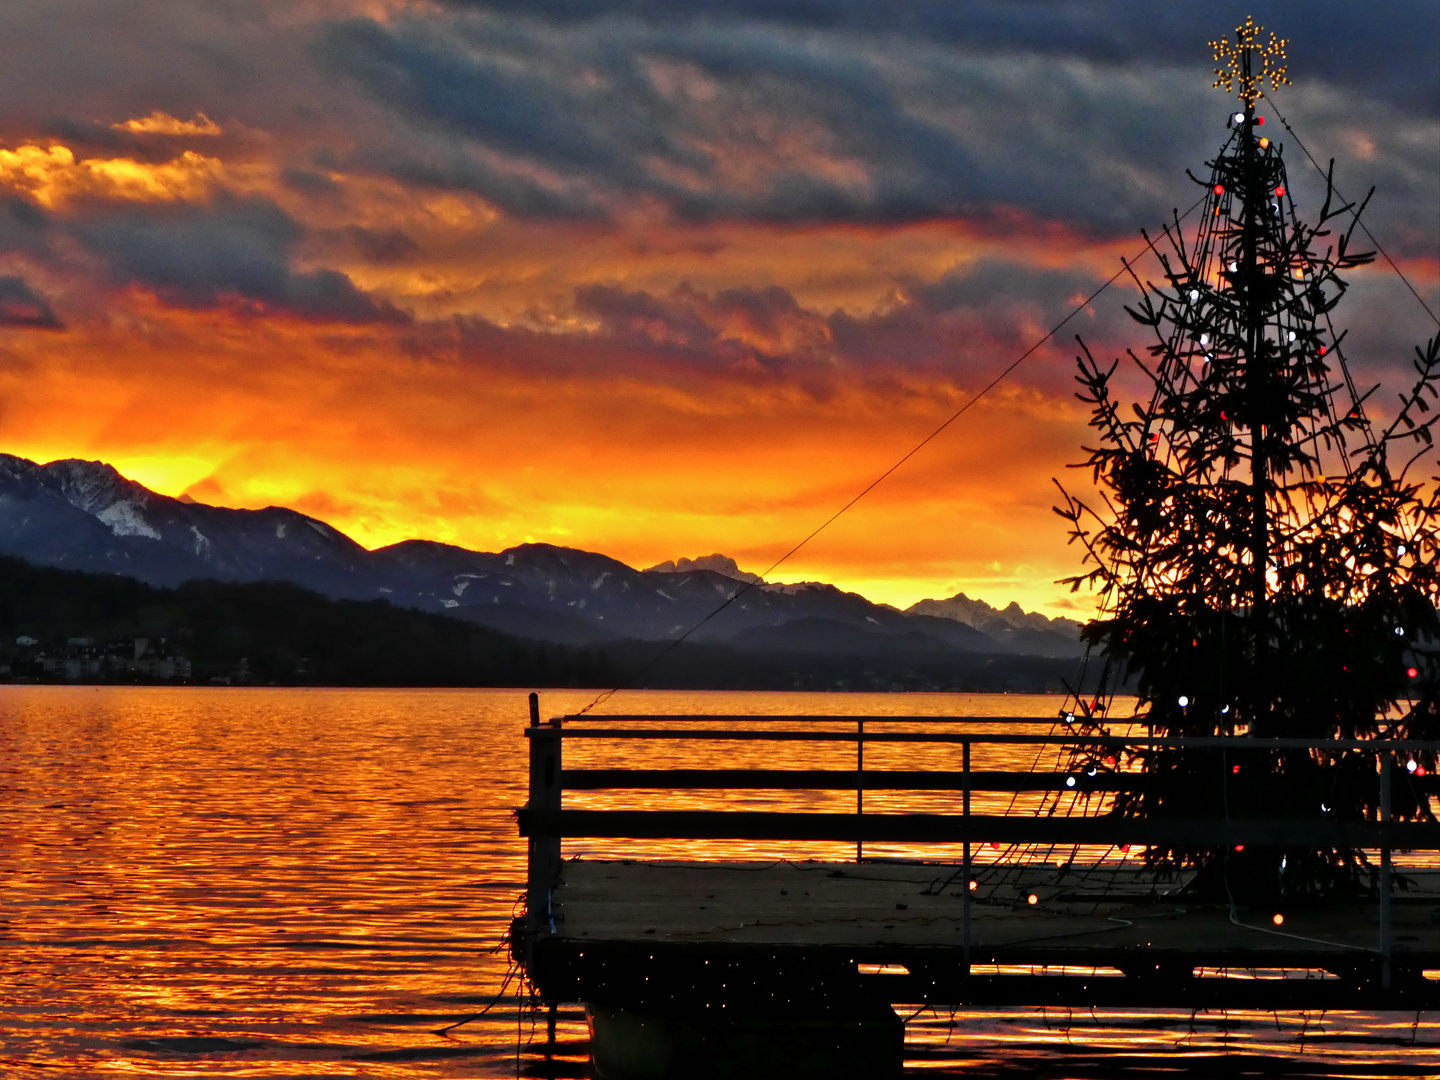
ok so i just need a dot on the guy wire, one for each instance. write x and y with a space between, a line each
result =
671 646
1363 228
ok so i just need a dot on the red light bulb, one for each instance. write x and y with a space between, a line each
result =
1219 189
1259 120
1412 672
1235 769
1280 191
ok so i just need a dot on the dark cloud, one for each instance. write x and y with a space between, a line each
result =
381 246
797 117
1384 48
234 251
24 227
22 306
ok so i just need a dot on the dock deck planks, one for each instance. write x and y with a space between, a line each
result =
873 905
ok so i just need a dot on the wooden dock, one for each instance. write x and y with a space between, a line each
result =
816 938
1116 936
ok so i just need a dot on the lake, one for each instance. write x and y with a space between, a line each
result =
307 883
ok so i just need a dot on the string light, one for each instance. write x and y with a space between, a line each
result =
1239 847
1264 144
1069 781
974 884
1291 335
1194 294
1412 672
1184 701
1219 189
1280 191
1410 766
1278 920
1399 631
1400 550
1032 899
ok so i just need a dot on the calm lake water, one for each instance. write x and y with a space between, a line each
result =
308 883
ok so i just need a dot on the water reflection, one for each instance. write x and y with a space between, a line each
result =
287 883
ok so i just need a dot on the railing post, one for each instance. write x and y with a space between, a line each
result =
544 854
965 904
860 783
1386 927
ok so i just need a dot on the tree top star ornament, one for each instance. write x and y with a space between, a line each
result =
1239 66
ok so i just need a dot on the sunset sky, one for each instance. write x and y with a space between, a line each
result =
651 279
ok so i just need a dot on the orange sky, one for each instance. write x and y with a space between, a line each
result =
702 335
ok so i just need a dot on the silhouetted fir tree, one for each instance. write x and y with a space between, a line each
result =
1265 554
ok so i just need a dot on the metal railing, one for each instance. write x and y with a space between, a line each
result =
545 821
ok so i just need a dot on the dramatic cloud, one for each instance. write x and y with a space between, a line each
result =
646 277
228 252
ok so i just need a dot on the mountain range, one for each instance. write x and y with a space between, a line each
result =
84 515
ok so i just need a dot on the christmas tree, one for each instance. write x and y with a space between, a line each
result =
1264 546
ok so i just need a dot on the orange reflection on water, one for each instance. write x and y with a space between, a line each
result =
286 883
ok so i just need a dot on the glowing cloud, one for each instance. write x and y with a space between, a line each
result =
53 176
159 123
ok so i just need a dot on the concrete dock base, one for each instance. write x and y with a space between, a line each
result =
629 1045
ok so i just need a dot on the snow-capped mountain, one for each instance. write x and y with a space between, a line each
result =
84 515
1020 631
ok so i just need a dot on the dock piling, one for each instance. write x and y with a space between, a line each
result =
965 889
859 783
1387 930
544 799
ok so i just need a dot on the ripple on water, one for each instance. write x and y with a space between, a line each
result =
302 883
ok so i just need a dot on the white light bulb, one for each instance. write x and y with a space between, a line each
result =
1194 294
1069 781
1225 710
1069 718
1184 701
1234 266
1091 771
1400 550
1291 335
1409 766
1239 118
1399 631
1324 809
1204 339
